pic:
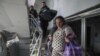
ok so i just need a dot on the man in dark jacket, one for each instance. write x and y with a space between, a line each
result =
44 22
33 12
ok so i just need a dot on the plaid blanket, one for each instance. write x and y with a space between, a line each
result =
72 49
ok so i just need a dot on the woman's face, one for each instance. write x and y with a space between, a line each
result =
59 23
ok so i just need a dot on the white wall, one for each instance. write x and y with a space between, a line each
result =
50 3
69 7
38 5
31 2
15 13
5 22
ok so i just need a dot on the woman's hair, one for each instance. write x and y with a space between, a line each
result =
61 18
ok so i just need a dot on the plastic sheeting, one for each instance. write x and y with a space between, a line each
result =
10 42
13 46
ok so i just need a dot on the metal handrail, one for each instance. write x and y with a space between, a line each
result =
35 22
39 53
36 29
38 42
34 47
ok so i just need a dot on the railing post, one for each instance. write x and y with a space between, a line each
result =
83 35
40 43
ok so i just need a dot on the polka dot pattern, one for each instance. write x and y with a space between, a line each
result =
58 42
